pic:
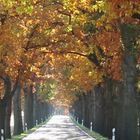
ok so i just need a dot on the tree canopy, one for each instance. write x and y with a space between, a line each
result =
73 43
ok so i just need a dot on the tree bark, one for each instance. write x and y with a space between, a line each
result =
5 107
28 107
83 107
18 126
2 114
8 119
128 121
35 109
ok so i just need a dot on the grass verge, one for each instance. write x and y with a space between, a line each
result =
24 134
93 134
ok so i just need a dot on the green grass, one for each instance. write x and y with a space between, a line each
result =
93 134
24 134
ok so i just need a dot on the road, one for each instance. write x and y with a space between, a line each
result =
59 127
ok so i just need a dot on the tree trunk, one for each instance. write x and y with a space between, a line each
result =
18 127
35 109
99 109
108 97
5 107
87 111
83 107
28 107
39 111
128 123
2 114
8 119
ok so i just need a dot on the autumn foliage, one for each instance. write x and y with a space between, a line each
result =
76 43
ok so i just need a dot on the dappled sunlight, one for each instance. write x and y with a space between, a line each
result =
59 127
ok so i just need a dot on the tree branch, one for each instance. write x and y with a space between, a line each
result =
30 36
65 53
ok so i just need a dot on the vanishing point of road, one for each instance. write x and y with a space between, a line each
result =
59 127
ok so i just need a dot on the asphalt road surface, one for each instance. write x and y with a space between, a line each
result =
59 127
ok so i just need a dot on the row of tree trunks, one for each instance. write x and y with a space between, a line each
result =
40 110
103 106
35 110
31 105
114 104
